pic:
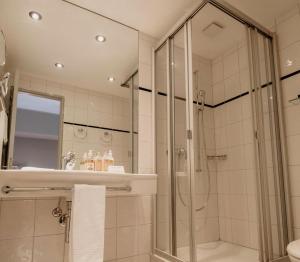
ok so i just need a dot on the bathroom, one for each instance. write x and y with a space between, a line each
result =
181 146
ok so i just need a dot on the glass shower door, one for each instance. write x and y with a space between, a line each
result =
271 184
163 197
181 171
173 217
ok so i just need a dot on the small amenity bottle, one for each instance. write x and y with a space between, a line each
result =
89 163
108 160
98 162
83 161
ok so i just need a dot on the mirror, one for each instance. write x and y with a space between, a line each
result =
59 49
2 49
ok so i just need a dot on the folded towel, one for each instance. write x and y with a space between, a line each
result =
87 224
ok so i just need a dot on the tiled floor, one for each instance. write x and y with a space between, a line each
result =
221 252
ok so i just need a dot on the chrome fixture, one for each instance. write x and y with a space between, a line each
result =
295 101
217 157
63 218
69 161
9 189
57 211
181 152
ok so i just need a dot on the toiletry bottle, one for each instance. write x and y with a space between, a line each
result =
82 162
104 166
108 160
98 162
90 164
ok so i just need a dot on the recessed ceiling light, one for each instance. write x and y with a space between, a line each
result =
100 38
111 79
59 65
35 15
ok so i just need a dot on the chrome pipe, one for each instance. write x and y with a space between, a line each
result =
9 189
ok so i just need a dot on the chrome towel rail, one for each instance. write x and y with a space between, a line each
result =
9 189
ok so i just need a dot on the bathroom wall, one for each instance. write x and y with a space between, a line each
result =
29 232
91 108
288 31
28 225
145 139
234 138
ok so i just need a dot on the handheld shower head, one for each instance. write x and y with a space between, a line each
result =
201 99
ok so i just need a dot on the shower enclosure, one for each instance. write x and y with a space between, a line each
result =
220 152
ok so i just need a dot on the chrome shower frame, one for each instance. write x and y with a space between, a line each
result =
185 24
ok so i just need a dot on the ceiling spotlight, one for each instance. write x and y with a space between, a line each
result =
100 38
59 65
111 79
35 15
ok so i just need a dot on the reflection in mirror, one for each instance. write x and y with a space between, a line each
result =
37 134
86 59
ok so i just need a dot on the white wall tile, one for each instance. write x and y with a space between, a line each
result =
127 208
45 222
16 219
49 248
217 72
111 212
231 64
16 250
127 241
110 244
288 31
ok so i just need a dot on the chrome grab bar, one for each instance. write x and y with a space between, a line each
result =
9 189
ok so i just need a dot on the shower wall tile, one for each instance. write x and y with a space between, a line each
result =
287 29
234 138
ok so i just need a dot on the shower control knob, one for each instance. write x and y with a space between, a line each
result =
57 212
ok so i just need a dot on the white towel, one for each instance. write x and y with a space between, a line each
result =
87 224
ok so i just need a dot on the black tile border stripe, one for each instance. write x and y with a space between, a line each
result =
290 75
99 127
145 89
230 99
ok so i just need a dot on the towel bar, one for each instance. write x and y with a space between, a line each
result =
9 189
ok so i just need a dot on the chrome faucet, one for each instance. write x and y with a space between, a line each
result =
69 161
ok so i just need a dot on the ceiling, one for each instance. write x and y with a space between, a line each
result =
153 17
156 17
210 47
66 34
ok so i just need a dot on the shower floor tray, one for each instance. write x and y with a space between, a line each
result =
220 251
